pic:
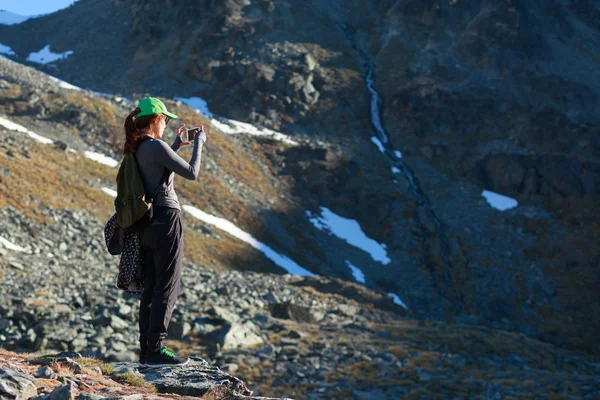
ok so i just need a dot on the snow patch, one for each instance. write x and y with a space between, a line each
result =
233 127
375 118
45 56
395 170
397 300
397 154
230 126
279 259
378 144
10 246
101 158
66 85
109 192
16 127
498 201
196 103
356 272
350 231
6 50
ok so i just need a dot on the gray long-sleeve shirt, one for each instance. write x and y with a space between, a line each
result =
153 156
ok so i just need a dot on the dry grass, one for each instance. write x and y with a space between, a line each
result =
40 302
136 380
7 356
398 351
107 369
477 340
46 385
90 362
44 176
423 359
66 175
89 382
224 252
61 369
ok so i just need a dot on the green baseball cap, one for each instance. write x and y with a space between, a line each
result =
151 106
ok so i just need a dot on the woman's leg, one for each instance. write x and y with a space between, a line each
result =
168 259
147 248
146 301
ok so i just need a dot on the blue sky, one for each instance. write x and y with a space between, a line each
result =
34 7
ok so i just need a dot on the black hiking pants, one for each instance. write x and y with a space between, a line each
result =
162 249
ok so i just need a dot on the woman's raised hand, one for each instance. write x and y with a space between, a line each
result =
180 132
201 134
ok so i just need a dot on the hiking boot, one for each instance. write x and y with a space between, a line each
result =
164 358
143 349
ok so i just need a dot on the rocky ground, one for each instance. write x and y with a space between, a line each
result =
282 335
68 375
476 95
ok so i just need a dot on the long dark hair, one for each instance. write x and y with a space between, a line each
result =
135 129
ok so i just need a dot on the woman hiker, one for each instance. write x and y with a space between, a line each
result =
161 242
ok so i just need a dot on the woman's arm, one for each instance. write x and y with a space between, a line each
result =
176 144
168 158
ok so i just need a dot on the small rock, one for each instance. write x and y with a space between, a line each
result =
89 396
266 351
291 311
270 298
16 385
178 330
289 342
16 265
117 323
125 356
125 310
5 323
295 334
64 392
119 347
348 310
75 366
46 373
61 145
241 335
230 368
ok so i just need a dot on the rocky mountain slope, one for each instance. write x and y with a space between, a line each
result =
68 375
283 335
476 95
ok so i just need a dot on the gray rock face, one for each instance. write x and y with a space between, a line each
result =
15 385
197 378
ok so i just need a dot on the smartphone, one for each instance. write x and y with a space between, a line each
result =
191 134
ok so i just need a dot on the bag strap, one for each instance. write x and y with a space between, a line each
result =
165 174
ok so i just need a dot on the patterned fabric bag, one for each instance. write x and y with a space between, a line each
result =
131 272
